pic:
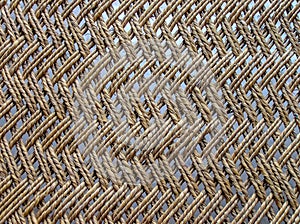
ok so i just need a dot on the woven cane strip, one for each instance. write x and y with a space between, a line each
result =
149 111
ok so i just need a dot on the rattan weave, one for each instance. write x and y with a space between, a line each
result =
149 111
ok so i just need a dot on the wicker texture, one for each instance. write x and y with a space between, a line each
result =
86 138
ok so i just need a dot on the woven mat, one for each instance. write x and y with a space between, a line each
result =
150 111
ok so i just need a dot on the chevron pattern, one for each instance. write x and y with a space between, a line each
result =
150 111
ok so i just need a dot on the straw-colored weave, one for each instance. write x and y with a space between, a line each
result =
149 111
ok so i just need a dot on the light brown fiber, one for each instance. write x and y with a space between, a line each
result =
149 111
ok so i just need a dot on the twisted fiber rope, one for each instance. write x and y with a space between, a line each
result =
66 151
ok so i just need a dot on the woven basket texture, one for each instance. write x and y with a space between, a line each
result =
149 111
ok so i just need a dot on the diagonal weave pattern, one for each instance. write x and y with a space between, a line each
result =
87 136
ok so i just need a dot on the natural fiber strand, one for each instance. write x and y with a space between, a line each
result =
151 111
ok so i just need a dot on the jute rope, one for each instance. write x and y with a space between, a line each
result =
150 111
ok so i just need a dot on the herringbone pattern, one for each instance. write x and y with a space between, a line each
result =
89 134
